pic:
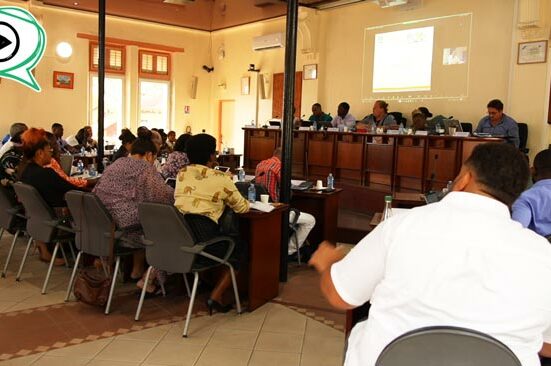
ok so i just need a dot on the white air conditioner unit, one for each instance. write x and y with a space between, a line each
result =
268 41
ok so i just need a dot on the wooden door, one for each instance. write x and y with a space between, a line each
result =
277 94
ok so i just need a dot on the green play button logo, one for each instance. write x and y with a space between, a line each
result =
22 44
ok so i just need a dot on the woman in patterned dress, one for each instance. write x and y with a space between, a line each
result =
126 183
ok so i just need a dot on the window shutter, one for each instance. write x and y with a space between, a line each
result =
154 65
114 58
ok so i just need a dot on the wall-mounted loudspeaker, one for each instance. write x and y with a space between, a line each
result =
261 88
193 93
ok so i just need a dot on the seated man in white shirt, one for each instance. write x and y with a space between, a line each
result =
344 118
460 262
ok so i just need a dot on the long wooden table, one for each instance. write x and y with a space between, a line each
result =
390 163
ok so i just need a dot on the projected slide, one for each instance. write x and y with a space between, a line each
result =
403 60
421 59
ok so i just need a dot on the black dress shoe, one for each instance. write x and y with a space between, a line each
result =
211 304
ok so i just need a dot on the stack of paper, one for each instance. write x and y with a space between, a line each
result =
264 207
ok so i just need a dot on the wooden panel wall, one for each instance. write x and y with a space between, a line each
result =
383 163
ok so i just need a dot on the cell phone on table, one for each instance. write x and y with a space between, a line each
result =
224 169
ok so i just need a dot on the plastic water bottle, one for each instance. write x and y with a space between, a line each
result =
82 151
401 129
241 175
388 208
92 170
447 188
252 193
80 167
315 125
330 181
372 127
438 128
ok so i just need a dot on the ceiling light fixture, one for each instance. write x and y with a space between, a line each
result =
64 50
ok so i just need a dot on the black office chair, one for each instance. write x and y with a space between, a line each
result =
523 137
243 188
445 345
43 225
399 117
172 247
96 234
467 127
12 220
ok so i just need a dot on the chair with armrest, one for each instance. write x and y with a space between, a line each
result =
95 234
523 137
467 127
42 225
446 345
12 220
398 117
171 247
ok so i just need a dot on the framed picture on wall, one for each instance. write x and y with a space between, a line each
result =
245 85
532 52
64 80
310 72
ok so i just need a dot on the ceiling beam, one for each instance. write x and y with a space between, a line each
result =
126 42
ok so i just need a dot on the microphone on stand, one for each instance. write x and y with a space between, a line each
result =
430 183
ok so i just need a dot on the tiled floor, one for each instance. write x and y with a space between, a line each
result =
271 335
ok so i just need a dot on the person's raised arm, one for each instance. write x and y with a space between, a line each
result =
322 260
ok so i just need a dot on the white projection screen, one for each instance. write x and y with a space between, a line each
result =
403 74
410 61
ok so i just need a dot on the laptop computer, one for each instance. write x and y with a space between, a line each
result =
66 162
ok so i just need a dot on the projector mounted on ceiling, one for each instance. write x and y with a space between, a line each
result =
178 2
389 3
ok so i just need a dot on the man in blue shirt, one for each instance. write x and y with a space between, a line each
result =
499 124
532 209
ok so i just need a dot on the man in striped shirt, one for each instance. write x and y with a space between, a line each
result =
268 174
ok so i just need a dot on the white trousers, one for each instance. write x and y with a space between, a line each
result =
305 223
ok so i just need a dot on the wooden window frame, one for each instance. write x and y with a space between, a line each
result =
108 47
154 74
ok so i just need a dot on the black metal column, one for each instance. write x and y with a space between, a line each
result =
101 81
287 129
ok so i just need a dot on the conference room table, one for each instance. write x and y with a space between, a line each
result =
262 231
324 206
